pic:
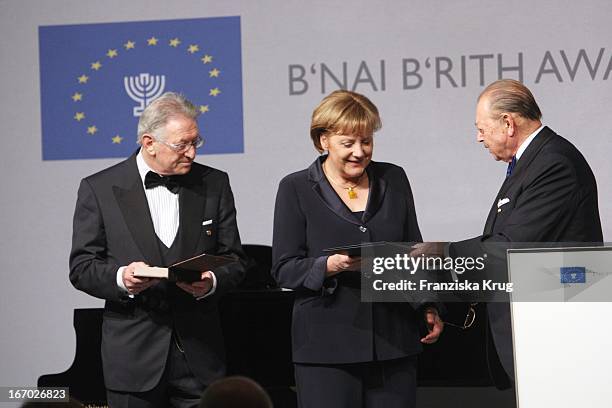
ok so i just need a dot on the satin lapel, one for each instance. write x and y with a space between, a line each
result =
133 204
191 213
327 194
378 186
519 170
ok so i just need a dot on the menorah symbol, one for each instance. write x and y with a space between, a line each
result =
144 88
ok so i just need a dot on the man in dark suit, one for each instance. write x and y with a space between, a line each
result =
549 195
161 341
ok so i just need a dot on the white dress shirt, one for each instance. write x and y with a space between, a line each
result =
526 143
163 206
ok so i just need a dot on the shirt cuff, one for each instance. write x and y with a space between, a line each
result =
213 289
120 281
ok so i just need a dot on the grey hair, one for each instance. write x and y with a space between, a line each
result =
161 110
508 95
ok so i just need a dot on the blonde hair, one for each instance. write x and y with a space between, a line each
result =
343 112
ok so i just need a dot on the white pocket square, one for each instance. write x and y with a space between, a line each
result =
207 222
502 201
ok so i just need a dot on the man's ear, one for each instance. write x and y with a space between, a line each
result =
509 124
148 144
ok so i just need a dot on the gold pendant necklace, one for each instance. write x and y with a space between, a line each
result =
352 193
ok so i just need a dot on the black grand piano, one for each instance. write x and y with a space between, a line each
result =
256 320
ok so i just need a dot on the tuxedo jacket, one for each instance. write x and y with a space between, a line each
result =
330 323
551 196
112 228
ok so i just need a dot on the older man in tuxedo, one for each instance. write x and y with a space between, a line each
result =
161 341
549 195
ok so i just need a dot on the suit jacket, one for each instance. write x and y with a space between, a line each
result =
553 198
112 228
330 323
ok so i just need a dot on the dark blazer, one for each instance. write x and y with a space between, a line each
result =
553 198
330 323
112 228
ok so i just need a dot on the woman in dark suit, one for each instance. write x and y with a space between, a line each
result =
347 353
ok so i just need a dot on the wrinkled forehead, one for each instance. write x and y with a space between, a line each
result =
483 110
180 127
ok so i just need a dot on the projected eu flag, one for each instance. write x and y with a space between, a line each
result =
97 78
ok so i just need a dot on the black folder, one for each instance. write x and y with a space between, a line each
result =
189 270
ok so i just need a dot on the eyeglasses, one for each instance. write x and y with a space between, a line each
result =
183 147
470 318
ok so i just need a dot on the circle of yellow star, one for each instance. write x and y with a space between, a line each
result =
193 48
117 139
96 65
152 41
83 79
174 42
214 92
77 97
111 53
92 129
79 116
206 59
129 45
214 73
204 108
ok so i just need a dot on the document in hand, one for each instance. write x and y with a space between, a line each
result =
189 270
370 247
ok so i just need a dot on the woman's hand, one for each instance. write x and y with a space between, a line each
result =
339 263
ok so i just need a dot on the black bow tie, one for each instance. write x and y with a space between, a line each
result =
172 183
